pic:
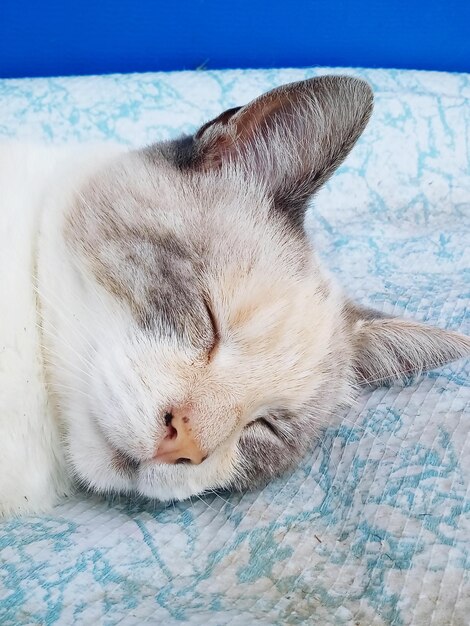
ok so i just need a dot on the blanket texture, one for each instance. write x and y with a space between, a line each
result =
374 527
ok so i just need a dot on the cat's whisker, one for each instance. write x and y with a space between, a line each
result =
68 389
70 367
67 315
219 496
206 503
76 376
77 326
379 380
68 364
87 362
335 421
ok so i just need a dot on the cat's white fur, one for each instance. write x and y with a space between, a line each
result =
32 464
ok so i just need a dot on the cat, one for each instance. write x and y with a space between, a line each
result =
166 326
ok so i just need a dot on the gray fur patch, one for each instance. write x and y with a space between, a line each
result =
144 264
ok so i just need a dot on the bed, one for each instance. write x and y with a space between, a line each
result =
373 528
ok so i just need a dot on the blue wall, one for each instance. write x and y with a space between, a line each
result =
52 37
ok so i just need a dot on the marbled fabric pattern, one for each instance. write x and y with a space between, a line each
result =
374 527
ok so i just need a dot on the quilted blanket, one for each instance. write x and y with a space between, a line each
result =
374 527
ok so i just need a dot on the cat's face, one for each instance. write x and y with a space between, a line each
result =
206 335
212 346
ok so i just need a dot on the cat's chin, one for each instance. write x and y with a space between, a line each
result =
165 482
121 473
149 479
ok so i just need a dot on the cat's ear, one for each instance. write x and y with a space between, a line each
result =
386 349
291 138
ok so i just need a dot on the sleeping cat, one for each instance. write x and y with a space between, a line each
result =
165 325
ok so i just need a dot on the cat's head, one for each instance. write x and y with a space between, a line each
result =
207 345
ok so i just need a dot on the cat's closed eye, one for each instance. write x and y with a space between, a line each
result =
265 424
215 332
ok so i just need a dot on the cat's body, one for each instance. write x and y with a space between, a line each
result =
32 180
165 326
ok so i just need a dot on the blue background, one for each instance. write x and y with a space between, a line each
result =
86 37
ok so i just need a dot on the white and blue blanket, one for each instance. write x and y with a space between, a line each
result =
374 527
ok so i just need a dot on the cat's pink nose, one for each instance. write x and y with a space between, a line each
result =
179 445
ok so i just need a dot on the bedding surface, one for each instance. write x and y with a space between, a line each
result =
374 527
